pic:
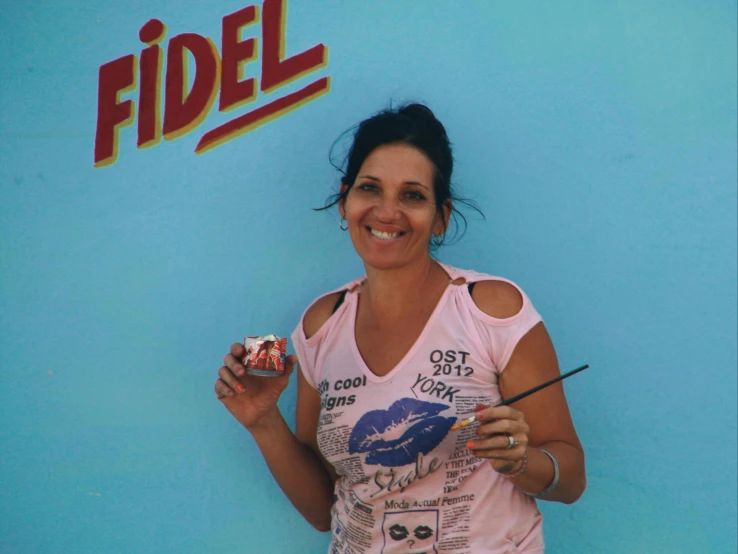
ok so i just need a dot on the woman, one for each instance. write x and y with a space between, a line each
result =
389 362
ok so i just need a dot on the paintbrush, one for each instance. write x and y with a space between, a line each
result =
520 396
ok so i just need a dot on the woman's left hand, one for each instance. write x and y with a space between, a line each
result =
502 437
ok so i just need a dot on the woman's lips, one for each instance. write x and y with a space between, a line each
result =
386 235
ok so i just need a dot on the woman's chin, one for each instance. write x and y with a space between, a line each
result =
385 262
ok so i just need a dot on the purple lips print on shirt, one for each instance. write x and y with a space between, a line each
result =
395 436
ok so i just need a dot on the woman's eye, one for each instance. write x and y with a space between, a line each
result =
416 196
367 187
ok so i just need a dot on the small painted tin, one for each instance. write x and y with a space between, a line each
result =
265 355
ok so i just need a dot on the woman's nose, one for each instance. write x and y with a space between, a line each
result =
387 208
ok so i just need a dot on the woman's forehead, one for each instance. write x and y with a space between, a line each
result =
398 162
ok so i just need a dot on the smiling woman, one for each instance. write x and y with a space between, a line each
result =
422 345
416 127
391 214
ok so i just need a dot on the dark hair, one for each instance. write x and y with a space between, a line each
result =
417 126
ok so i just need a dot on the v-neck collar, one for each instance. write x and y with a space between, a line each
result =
353 312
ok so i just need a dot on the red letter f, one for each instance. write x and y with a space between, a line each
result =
116 77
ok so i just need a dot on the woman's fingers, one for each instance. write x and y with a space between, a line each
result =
234 364
500 446
511 455
290 363
225 374
502 419
502 433
232 376
222 390
500 442
502 426
499 412
238 350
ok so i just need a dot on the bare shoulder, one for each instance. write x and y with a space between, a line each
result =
319 312
498 299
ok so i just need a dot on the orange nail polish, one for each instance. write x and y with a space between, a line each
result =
239 388
470 445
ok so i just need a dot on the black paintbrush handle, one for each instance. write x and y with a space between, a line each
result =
541 386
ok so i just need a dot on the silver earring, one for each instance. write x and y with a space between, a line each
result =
437 240
341 224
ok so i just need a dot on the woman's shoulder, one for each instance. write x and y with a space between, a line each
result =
496 297
321 310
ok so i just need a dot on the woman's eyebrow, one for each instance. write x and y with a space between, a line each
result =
415 183
369 177
412 183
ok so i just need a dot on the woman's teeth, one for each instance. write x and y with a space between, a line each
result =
382 235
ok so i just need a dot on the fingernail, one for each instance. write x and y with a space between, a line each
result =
239 388
470 445
479 415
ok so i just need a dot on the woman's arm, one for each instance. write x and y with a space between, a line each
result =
546 413
539 422
294 461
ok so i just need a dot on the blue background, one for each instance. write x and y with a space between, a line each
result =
599 138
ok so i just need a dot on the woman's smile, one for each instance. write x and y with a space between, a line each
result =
384 235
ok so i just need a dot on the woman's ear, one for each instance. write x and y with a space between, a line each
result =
342 201
444 217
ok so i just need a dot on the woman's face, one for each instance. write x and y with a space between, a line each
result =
391 208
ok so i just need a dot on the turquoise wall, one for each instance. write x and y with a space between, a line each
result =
598 137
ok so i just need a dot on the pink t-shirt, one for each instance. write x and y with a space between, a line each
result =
407 484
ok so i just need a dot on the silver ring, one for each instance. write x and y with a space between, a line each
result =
510 442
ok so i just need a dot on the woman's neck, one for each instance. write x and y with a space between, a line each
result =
393 292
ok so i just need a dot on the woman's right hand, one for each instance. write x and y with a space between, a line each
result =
249 398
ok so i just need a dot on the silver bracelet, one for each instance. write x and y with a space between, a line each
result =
555 480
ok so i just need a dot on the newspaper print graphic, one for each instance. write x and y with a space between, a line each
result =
410 532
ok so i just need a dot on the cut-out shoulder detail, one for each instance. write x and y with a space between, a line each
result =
357 286
498 299
317 314
340 300
459 281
